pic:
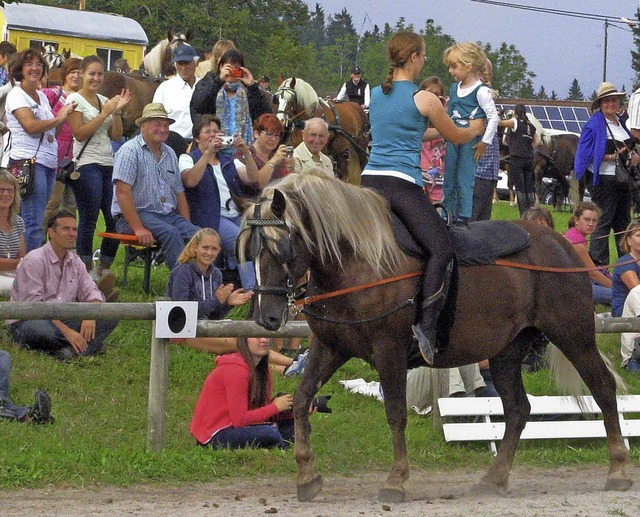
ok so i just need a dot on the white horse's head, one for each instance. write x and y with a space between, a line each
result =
51 56
157 62
295 98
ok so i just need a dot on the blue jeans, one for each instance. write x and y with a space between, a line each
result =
171 231
44 335
93 191
601 294
459 179
265 436
229 229
19 412
34 205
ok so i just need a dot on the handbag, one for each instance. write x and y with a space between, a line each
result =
25 171
622 173
67 166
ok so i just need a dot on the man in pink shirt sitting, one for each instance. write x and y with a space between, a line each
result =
54 274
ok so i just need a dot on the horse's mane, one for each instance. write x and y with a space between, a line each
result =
336 220
545 137
154 59
307 96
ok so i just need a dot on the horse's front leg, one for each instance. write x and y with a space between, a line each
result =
390 361
323 363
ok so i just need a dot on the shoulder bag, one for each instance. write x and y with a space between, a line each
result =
621 171
25 171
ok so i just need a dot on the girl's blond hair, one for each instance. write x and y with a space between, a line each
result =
468 54
189 251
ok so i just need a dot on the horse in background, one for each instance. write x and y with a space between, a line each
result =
157 62
311 222
52 57
348 125
554 159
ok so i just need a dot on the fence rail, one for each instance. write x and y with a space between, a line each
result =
159 367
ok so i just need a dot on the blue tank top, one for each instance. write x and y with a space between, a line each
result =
397 128
462 109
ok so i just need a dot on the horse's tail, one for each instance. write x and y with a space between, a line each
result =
567 379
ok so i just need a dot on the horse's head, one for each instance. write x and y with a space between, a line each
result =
287 100
279 257
51 56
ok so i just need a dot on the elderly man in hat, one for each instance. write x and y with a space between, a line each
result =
603 144
355 90
175 93
149 199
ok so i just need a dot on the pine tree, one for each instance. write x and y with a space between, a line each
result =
575 94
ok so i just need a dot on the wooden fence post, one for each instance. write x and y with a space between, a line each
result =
158 383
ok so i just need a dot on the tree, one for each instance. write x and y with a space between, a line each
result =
315 31
511 75
542 94
575 94
635 54
343 42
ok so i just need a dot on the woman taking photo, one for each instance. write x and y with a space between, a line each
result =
273 160
400 114
71 77
213 182
585 222
95 122
602 143
33 135
12 244
232 94
235 408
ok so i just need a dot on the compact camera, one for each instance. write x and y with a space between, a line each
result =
237 72
289 150
227 141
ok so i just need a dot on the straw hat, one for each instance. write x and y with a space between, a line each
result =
605 90
153 110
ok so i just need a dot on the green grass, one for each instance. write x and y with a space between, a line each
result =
100 406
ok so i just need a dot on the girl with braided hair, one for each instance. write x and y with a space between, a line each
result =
400 114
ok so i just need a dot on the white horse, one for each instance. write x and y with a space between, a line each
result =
294 93
52 57
157 62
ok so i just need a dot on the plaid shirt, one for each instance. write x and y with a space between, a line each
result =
488 165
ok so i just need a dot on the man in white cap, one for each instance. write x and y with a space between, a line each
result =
175 93
149 199
355 90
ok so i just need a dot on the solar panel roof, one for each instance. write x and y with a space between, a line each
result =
560 118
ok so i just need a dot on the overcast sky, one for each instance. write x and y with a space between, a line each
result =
557 48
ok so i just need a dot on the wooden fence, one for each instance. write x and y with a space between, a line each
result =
159 363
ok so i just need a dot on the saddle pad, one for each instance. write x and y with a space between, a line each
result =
480 245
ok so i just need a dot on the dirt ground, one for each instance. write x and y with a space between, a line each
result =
570 491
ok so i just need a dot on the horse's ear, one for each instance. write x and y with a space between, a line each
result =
278 204
292 84
170 35
187 36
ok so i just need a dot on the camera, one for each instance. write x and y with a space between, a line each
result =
237 72
227 141
289 150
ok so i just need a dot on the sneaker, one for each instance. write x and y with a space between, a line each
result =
41 410
298 365
4 411
460 226
633 366
65 354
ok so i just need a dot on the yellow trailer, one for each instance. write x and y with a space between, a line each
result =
84 33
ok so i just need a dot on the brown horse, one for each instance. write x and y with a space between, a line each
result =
142 90
348 125
312 222
554 159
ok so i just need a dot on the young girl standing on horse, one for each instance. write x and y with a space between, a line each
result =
400 114
469 99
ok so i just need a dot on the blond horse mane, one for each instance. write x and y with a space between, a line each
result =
306 95
328 213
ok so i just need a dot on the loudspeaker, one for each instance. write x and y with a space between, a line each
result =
176 319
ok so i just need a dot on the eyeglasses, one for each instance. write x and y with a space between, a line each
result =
210 131
7 191
34 64
271 134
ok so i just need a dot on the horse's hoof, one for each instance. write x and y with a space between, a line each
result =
391 495
484 488
619 485
308 491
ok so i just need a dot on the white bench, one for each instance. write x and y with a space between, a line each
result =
487 407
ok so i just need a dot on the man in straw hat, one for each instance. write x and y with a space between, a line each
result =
149 198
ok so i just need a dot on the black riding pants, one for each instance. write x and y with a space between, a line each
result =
409 202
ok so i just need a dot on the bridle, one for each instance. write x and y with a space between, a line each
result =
283 255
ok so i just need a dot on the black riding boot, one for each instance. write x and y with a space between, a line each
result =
426 330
